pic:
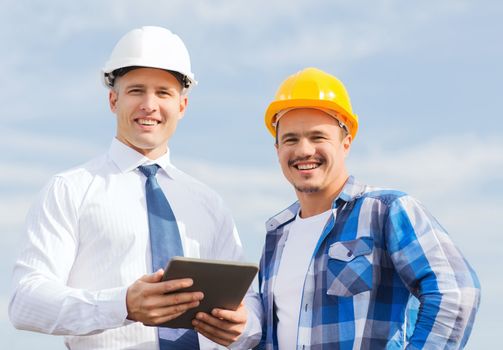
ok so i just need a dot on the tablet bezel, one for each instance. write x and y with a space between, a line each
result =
224 284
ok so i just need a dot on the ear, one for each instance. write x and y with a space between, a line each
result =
112 100
276 146
184 101
346 144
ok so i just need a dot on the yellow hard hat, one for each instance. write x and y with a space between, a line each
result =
312 88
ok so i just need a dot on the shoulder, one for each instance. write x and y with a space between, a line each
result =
396 207
360 194
84 172
65 190
197 188
385 197
369 203
75 181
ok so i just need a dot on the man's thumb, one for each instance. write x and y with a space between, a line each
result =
153 277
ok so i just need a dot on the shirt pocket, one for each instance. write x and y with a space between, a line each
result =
349 267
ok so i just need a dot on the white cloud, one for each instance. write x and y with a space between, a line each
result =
13 208
40 146
341 34
443 166
4 303
454 177
296 31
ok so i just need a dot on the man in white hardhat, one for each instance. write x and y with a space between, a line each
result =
91 268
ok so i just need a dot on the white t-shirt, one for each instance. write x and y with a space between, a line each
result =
295 260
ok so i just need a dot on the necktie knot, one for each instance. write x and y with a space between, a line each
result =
149 170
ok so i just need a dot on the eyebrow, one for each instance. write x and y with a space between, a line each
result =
317 133
135 86
288 135
166 88
142 86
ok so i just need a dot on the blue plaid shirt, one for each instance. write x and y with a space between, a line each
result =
378 249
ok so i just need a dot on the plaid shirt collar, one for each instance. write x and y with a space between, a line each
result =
351 190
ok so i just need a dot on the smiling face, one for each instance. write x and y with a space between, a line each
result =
148 104
311 150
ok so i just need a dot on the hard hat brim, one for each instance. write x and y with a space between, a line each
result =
105 71
350 119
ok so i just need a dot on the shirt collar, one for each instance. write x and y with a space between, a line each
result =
127 159
351 190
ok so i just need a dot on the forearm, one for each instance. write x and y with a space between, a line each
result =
445 319
45 306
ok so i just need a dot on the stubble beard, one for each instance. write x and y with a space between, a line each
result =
306 189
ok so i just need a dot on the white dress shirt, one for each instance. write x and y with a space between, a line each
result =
295 260
87 241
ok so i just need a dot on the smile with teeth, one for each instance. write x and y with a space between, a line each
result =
307 166
148 122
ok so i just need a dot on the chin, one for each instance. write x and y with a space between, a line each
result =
307 189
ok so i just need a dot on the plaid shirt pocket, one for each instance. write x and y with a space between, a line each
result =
349 267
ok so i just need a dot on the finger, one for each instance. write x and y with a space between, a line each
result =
165 314
153 277
220 328
237 316
171 286
213 337
153 306
179 298
174 285
160 320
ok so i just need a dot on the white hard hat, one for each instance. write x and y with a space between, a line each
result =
153 47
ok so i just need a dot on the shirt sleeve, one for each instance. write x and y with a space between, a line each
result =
435 271
40 299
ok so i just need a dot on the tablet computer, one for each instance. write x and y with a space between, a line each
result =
224 284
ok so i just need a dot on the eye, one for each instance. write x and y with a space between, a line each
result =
135 91
290 140
318 138
164 93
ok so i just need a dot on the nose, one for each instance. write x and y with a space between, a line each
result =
148 103
304 148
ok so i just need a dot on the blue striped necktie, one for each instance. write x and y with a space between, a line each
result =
165 243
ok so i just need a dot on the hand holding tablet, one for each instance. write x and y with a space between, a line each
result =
223 283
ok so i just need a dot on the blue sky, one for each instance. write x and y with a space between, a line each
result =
424 77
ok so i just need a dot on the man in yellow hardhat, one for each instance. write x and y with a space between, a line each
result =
99 235
342 263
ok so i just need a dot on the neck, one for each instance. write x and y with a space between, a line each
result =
151 153
318 202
